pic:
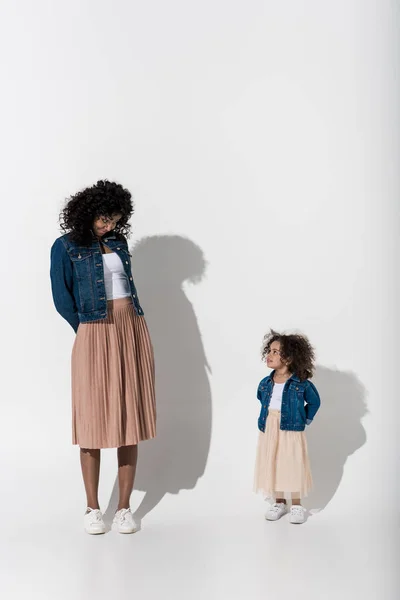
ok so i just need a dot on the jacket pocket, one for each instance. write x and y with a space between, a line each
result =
80 259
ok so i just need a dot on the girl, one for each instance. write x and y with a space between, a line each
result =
289 402
113 404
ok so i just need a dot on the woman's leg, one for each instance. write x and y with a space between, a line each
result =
127 459
90 463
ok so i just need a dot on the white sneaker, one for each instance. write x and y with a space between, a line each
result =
93 522
276 511
123 521
297 514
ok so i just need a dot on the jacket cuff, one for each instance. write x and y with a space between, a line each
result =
74 322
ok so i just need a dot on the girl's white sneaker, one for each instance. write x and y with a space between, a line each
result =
276 511
123 521
93 522
297 514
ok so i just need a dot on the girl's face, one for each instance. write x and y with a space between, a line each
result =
274 357
103 225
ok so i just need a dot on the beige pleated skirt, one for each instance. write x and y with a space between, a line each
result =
282 464
113 398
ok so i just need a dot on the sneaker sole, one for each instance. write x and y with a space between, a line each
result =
116 528
95 532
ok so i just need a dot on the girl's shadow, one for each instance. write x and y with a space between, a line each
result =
177 457
336 433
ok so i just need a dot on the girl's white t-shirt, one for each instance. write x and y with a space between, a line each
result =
276 398
115 278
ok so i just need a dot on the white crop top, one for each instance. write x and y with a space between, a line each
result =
115 278
276 398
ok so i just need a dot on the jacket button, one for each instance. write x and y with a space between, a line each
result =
130 278
118 248
126 262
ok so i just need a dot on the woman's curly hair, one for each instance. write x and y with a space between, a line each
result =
295 349
104 199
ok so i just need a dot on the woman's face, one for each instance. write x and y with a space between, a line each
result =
103 225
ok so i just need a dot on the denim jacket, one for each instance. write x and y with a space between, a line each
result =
300 402
77 278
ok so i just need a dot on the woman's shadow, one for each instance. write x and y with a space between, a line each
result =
336 433
177 457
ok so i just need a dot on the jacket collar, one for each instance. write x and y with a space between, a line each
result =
93 242
292 377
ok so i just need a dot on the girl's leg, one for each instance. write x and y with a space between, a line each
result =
90 464
280 501
127 459
296 502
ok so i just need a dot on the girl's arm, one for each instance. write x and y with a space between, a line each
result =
313 401
61 284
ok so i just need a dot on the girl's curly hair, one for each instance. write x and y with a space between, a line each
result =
295 349
104 199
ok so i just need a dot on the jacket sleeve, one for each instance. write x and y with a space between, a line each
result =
61 284
259 392
313 401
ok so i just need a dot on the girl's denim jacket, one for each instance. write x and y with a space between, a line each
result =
77 278
300 402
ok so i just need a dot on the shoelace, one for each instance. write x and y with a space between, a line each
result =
95 516
123 515
297 510
276 507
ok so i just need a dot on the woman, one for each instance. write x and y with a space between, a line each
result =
113 400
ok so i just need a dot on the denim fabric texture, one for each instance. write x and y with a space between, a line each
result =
77 278
300 402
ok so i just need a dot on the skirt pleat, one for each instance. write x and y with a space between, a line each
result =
113 390
282 464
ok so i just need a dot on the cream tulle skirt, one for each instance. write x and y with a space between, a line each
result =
282 464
